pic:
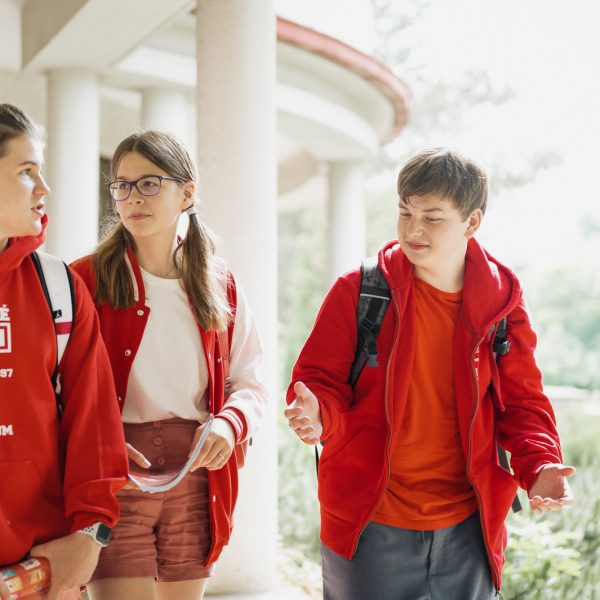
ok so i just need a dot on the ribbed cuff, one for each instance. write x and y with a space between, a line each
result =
236 420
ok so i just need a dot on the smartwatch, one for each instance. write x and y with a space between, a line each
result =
99 532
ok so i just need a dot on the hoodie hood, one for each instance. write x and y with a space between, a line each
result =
20 247
490 289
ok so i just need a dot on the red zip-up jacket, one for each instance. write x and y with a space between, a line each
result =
56 476
360 426
123 330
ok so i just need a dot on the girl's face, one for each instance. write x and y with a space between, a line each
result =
22 189
154 215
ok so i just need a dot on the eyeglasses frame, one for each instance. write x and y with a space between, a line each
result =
133 184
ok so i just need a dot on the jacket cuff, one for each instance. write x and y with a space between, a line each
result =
528 479
235 418
84 519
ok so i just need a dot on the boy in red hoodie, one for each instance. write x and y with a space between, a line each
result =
413 498
59 475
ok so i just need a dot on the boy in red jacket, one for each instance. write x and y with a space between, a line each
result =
413 499
59 476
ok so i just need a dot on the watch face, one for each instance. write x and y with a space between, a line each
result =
103 534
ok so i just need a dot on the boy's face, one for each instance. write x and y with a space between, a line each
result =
433 233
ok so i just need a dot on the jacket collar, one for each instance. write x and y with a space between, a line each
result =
490 290
20 248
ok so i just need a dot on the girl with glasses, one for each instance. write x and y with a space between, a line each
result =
162 302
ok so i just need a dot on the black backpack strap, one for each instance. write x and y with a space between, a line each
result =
373 303
501 346
38 267
503 460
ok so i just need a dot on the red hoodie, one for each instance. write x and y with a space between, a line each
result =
56 476
360 425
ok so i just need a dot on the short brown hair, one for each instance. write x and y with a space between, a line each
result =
13 123
448 174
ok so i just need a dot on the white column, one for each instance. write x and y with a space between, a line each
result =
166 110
72 157
10 38
346 217
237 162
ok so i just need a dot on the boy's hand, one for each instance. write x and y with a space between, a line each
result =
304 415
73 559
551 491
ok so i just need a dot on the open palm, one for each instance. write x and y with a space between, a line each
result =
551 490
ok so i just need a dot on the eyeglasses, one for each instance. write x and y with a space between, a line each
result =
146 186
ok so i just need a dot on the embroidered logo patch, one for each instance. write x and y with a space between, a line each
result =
6 430
5 338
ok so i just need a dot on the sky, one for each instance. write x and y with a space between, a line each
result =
548 53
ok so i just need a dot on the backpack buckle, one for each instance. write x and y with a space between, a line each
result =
371 360
501 347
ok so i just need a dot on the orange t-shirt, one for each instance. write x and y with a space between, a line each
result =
428 486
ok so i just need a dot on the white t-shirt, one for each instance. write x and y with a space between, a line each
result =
169 376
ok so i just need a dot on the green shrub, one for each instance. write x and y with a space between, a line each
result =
298 505
538 559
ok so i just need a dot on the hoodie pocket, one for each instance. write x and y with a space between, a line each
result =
337 445
22 498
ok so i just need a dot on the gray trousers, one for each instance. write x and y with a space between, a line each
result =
401 564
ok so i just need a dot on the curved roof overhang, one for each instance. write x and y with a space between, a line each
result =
365 66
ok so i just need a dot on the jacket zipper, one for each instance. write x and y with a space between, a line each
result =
479 503
387 418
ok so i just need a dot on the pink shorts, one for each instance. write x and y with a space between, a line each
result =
162 535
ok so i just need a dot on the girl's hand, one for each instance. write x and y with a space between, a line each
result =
139 459
218 445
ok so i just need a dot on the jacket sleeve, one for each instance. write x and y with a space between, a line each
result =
526 424
328 353
91 429
83 267
246 404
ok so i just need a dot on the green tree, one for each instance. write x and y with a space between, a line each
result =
565 303
301 291
443 105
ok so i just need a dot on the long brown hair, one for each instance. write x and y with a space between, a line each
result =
202 276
